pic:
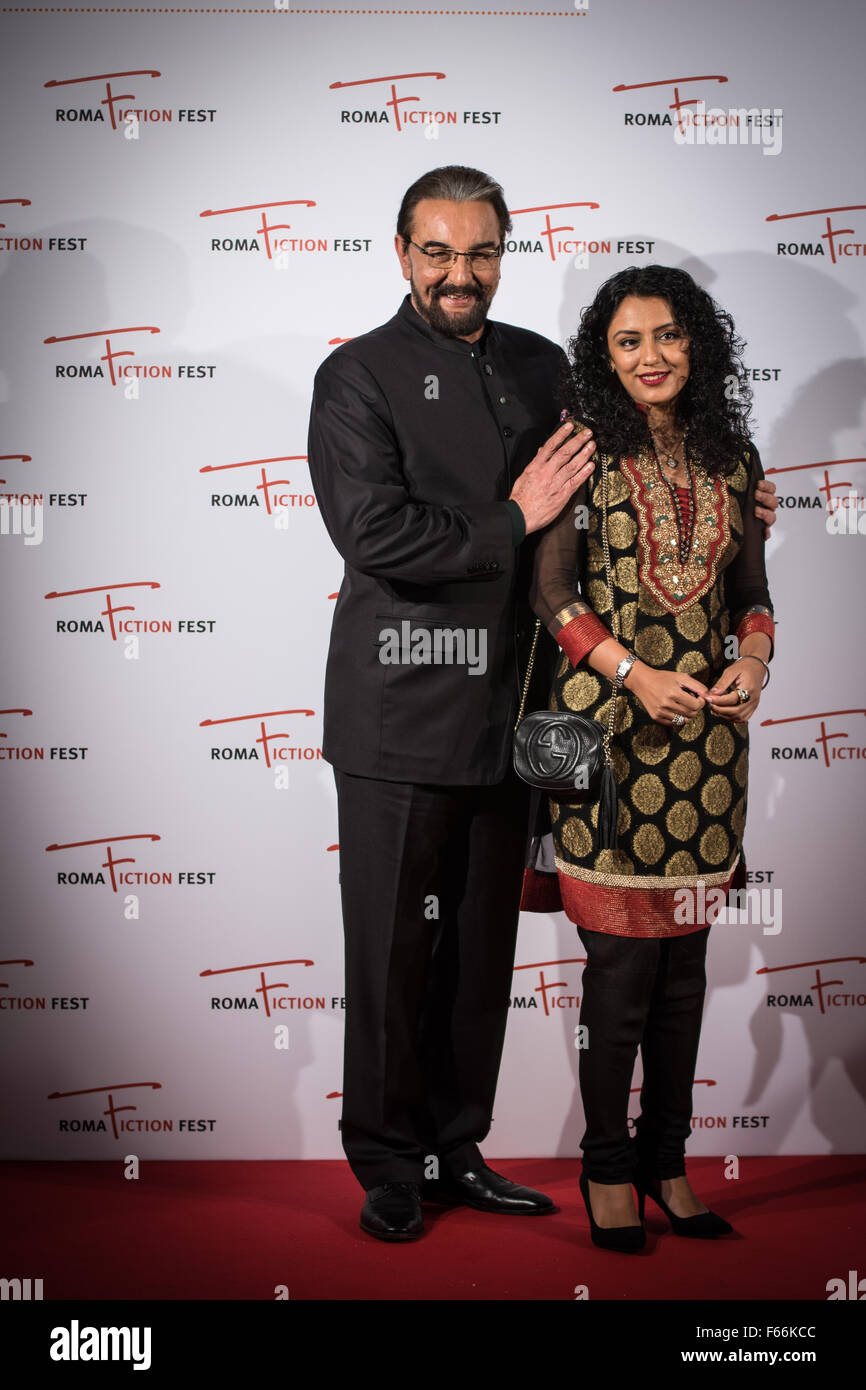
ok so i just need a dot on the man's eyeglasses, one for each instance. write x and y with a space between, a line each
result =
443 257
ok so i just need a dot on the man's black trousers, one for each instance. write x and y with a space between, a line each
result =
430 879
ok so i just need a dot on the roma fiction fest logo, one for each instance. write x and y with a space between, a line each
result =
835 743
121 110
795 987
816 233
34 497
829 496
87 1117
548 995
257 992
707 1119
255 229
692 122
115 869
23 242
23 512
382 103
111 618
269 493
539 237
112 364
33 753
274 748
34 1003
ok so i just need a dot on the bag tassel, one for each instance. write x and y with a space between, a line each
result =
608 810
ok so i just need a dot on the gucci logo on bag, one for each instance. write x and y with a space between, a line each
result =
552 749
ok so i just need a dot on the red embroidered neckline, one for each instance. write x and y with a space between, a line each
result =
674 585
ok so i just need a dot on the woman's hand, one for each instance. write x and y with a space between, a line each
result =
669 697
723 698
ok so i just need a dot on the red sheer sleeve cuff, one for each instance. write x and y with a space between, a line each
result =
757 622
579 636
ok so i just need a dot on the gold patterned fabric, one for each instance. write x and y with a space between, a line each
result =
682 792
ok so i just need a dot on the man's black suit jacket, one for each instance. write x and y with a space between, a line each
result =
415 441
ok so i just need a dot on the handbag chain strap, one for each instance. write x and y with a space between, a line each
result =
529 666
614 623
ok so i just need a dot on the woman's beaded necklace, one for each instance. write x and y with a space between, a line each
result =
685 523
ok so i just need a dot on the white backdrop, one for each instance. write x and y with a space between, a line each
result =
179 494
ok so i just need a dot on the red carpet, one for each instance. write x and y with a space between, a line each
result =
237 1230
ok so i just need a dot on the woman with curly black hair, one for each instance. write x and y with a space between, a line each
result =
654 587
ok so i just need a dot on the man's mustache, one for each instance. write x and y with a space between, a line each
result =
462 291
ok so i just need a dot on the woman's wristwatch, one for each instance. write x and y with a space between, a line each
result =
623 669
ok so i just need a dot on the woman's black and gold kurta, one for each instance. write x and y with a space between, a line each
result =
682 791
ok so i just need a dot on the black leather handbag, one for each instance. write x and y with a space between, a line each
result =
558 751
562 753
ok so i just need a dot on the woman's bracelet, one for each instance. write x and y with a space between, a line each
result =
750 656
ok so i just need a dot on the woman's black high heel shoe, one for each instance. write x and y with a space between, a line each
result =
706 1225
626 1240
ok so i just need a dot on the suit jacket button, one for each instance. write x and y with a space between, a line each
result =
507 431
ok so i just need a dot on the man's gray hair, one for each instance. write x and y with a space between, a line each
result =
454 184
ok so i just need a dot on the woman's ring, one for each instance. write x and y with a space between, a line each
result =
743 695
679 720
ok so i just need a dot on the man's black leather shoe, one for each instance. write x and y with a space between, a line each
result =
485 1190
393 1212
